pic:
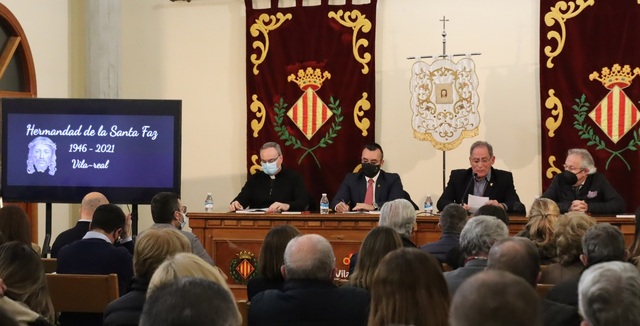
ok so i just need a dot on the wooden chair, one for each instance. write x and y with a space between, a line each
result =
243 307
543 289
50 264
82 293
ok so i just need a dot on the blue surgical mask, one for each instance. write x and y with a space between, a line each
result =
270 168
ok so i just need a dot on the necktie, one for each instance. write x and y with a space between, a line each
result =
368 197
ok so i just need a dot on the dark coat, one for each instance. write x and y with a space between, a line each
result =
441 248
260 191
126 310
596 191
354 188
259 284
500 188
69 236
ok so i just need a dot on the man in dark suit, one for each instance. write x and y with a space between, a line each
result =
89 204
308 296
370 188
452 220
96 254
482 180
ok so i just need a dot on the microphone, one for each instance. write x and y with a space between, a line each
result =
466 190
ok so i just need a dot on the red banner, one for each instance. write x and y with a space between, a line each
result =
589 57
311 87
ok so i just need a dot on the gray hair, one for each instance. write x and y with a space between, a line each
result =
271 144
480 233
603 242
481 143
453 218
399 215
609 294
309 257
587 159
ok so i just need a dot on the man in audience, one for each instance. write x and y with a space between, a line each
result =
189 301
581 189
519 256
308 295
399 215
167 212
495 298
452 219
370 188
601 243
96 254
481 179
476 240
492 210
609 294
275 188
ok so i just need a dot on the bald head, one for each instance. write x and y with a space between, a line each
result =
89 204
309 257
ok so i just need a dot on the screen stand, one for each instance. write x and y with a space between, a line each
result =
47 230
134 219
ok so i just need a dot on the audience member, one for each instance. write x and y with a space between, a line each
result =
634 248
568 233
520 257
90 202
452 219
399 215
190 301
609 294
14 313
602 242
476 240
22 272
481 179
408 289
378 242
581 189
271 260
96 254
495 298
15 226
542 218
371 187
167 212
308 295
493 210
152 247
275 187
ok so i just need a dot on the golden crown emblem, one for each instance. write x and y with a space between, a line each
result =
309 78
245 255
621 77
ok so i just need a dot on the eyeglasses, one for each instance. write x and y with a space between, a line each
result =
484 160
372 162
572 169
271 160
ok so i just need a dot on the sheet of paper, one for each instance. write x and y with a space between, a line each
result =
476 202
252 211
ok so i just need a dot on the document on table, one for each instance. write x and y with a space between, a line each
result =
252 211
476 202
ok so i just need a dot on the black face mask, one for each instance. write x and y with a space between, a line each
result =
370 170
569 178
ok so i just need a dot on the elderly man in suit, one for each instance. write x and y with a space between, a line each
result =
370 188
481 179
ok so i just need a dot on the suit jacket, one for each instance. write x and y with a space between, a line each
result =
558 314
354 188
258 284
500 188
69 236
126 310
310 302
441 248
196 247
596 191
456 277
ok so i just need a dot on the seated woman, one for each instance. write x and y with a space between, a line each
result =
543 215
152 247
409 289
378 242
271 259
189 265
568 233
23 274
15 226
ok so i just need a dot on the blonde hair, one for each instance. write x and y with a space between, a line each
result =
569 230
188 265
153 246
543 215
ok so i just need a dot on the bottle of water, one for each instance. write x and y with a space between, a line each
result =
324 204
428 205
208 203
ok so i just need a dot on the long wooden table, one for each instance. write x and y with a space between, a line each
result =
233 240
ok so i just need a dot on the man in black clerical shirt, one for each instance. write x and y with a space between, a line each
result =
275 187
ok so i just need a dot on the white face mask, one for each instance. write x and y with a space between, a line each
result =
183 223
270 168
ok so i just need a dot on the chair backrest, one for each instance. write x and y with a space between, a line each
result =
82 293
50 264
243 307
543 289
46 248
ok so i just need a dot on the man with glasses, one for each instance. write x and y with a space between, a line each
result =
275 188
371 187
482 180
167 212
579 188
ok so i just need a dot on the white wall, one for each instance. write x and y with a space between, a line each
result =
195 52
